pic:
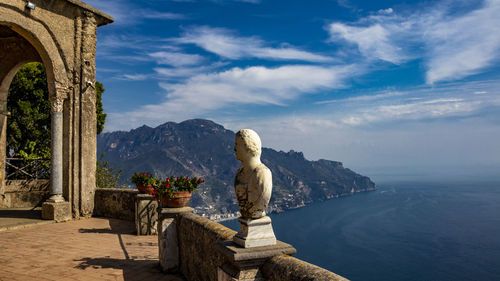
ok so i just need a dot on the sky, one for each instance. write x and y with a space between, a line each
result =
386 87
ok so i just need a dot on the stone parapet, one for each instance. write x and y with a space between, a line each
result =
117 203
284 268
198 238
24 193
206 252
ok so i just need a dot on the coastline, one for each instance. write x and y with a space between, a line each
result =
220 217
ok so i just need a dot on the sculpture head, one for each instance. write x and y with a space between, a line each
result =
247 145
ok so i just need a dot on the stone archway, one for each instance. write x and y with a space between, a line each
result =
62 35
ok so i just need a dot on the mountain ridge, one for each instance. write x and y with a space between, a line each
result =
203 148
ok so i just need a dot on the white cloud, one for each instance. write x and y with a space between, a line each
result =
149 14
126 13
133 77
186 71
176 58
372 97
254 85
414 111
462 46
376 41
225 44
423 103
385 11
453 46
423 148
205 93
418 128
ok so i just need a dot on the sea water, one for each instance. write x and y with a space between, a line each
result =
402 231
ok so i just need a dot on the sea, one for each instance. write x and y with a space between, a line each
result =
402 231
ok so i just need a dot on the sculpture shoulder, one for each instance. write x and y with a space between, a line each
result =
262 172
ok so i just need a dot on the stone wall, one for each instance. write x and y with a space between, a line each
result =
284 268
115 203
197 238
24 193
200 259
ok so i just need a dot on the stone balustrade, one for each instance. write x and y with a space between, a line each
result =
130 205
201 249
201 253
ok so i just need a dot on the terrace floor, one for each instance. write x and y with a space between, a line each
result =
87 249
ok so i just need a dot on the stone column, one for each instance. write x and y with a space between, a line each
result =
3 143
56 165
55 208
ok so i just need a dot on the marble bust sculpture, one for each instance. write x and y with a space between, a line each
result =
253 183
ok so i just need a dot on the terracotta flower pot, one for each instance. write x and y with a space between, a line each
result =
179 199
145 189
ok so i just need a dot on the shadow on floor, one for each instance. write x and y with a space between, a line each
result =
115 227
132 269
20 217
21 213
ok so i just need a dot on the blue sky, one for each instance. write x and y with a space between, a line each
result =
382 86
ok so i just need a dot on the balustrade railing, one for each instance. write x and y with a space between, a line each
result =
24 169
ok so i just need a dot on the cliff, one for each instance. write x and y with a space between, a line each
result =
205 149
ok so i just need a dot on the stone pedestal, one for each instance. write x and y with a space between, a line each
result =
244 264
168 245
146 215
58 211
255 233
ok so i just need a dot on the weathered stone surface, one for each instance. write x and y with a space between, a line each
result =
58 211
146 214
168 244
284 268
251 256
24 193
218 258
245 263
226 273
174 212
255 232
115 203
62 35
200 235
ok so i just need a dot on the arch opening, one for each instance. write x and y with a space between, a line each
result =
25 125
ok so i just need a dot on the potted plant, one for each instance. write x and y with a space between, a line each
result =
175 192
145 182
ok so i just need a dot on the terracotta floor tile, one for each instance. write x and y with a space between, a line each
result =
87 249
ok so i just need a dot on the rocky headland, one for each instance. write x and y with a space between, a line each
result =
203 148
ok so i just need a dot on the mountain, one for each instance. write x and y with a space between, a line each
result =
205 149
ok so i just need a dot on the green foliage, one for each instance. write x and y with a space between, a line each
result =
106 176
28 127
101 116
173 184
144 178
